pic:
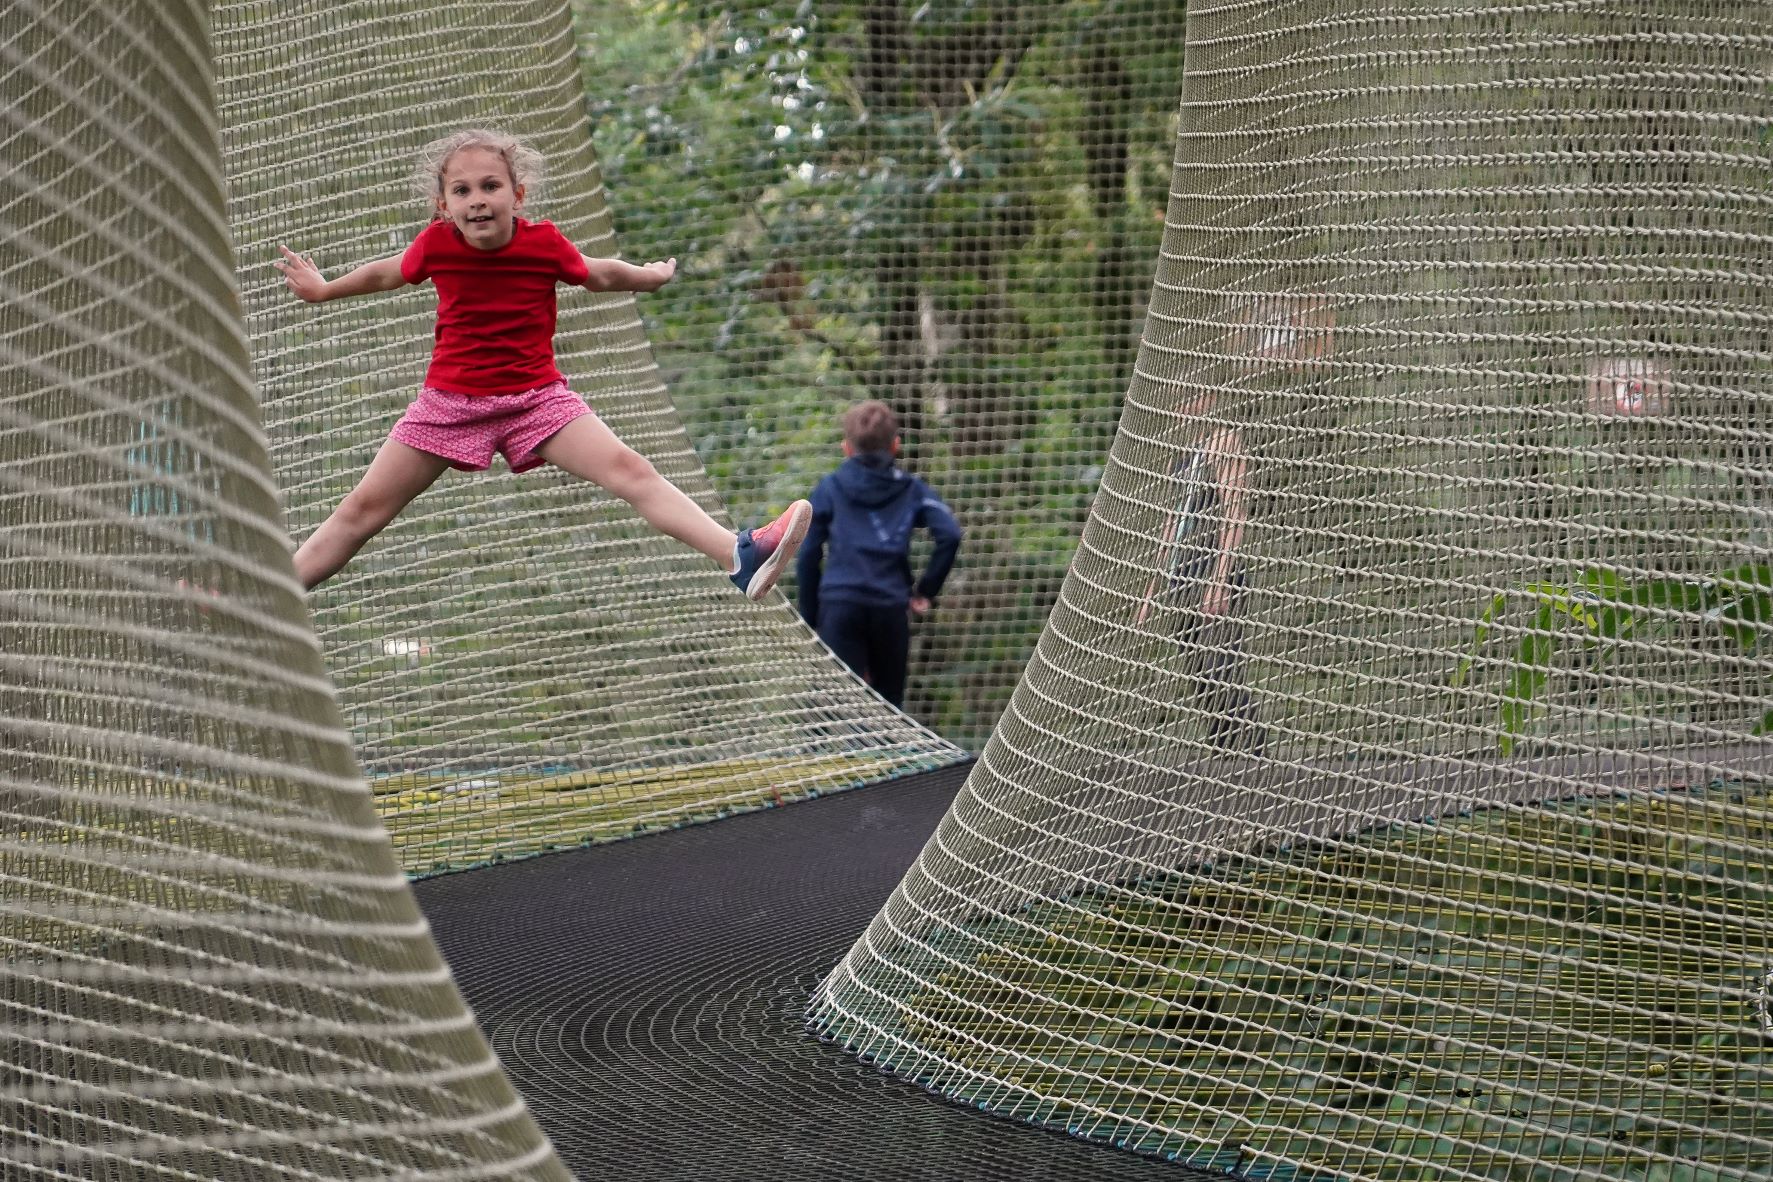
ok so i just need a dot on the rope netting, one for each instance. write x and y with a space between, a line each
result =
1388 796
955 208
523 663
211 965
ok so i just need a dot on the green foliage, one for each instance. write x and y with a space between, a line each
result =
1600 614
953 208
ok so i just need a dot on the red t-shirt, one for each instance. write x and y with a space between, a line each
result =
495 308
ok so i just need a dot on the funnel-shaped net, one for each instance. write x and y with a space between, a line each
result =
1389 794
523 662
952 206
211 965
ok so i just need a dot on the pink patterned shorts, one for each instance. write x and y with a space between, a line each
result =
466 429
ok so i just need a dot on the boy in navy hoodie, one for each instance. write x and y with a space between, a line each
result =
860 603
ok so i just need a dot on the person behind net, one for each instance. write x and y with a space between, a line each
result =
1200 565
860 601
492 385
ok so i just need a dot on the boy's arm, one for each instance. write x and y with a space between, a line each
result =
615 275
945 534
809 564
306 281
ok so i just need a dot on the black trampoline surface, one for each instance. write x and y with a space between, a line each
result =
647 998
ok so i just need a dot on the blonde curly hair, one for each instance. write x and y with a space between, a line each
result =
526 164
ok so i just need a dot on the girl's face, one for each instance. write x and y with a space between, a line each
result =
480 197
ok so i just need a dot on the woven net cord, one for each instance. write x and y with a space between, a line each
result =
211 964
523 662
1387 797
954 207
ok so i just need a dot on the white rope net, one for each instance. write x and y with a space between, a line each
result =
211 965
1388 797
523 663
953 207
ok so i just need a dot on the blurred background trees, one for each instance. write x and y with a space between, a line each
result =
954 208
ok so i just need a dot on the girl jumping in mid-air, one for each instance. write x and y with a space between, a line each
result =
492 385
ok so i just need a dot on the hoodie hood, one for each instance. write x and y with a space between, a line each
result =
871 479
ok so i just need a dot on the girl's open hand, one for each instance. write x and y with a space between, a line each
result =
302 276
660 273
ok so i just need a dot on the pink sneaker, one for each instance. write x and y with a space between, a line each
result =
765 552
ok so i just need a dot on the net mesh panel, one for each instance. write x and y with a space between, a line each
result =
953 207
210 962
1388 795
522 661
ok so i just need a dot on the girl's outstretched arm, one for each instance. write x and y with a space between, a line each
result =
304 278
615 275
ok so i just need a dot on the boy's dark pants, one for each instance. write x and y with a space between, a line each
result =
874 641
1213 648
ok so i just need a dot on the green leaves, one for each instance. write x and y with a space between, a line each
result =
1745 603
1481 633
1598 613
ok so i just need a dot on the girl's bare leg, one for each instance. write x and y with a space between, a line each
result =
590 450
397 475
